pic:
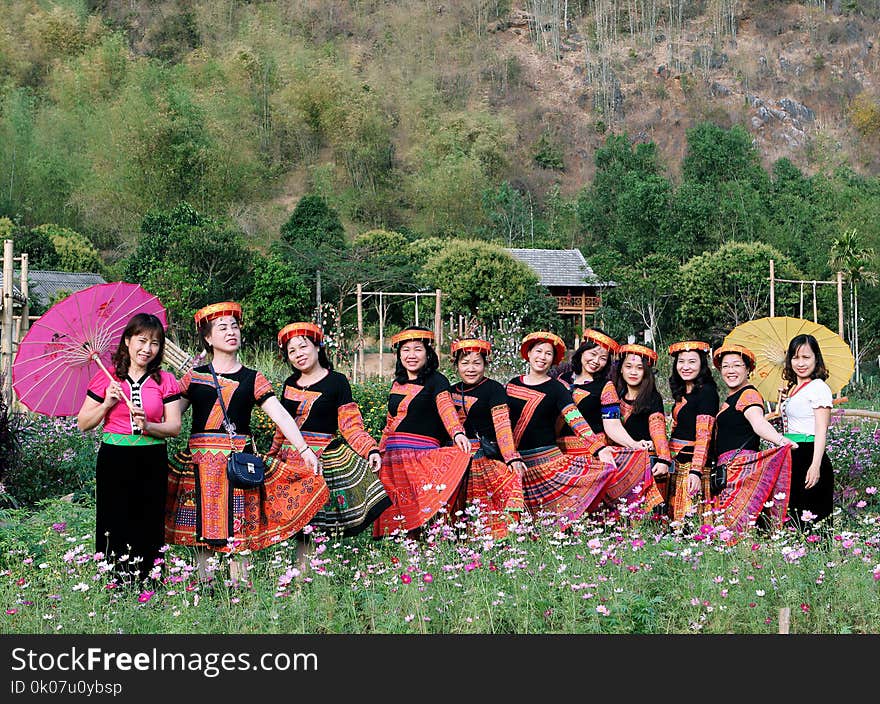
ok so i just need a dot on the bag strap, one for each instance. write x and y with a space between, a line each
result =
226 422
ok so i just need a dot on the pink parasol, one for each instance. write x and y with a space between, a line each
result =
74 339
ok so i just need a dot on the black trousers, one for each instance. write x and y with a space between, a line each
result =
131 484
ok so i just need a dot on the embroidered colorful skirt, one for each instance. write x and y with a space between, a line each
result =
631 482
357 496
203 508
496 489
753 480
420 478
682 503
567 485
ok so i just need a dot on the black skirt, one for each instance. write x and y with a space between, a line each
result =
818 500
131 484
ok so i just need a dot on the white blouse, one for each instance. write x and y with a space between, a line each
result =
797 410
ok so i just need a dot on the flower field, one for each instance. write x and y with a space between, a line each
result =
623 575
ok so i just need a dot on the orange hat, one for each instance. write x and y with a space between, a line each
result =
640 350
689 346
732 348
533 338
218 310
471 344
301 329
408 334
601 339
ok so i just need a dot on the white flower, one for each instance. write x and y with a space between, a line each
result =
81 587
759 592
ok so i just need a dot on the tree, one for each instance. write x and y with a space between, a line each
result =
35 242
278 297
645 290
849 256
189 260
482 280
628 199
74 252
719 290
313 238
715 155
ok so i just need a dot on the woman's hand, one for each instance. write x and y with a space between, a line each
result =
606 455
139 418
311 460
695 484
113 394
660 469
645 445
812 476
374 459
518 466
462 443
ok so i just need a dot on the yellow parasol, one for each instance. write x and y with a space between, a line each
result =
768 338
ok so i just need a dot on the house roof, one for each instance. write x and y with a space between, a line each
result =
559 267
44 286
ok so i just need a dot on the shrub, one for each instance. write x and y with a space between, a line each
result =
55 459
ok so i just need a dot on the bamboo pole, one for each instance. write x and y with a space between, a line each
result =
360 323
25 294
840 303
6 330
815 310
382 335
438 323
772 290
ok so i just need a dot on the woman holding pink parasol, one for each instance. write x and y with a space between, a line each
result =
204 509
139 407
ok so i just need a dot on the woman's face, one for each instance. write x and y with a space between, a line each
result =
734 371
413 356
803 362
688 365
594 360
633 370
302 353
541 357
471 367
142 348
225 334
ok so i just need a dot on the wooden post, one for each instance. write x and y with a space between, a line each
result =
815 313
381 336
840 303
583 312
6 329
360 322
772 290
25 294
417 309
318 297
438 323
784 620
802 299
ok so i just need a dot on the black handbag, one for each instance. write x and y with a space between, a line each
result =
489 448
718 472
244 470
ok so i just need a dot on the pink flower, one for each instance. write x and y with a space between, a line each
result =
805 608
405 578
813 538
427 578
59 527
145 596
11 612
871 490
861 504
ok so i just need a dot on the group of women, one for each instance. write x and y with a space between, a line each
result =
559 441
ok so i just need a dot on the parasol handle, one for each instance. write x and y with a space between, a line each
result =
125 398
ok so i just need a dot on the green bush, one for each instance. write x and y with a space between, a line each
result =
372 398
55 459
